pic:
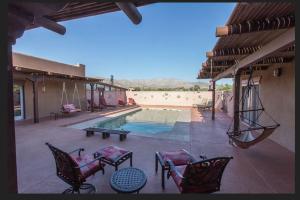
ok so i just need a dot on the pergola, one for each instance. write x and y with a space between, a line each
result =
27 15
37 76
256 35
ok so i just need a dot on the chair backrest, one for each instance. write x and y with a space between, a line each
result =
131 101
120 102
205 175
103 101
66 166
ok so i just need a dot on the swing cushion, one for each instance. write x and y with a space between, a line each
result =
70 108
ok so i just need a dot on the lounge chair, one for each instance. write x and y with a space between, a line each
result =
205 105
103 103
121 103
131 101
202 176
75 169
69 108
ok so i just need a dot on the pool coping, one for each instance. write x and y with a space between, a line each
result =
102 115
109 116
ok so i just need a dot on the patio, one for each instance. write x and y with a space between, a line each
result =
264 168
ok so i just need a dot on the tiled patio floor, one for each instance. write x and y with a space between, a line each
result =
264 168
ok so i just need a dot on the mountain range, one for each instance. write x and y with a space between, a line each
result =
157 83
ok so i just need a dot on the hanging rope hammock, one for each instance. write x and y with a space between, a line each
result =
250 130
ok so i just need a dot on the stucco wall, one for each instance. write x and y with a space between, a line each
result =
111 97
169 98
278 97
50 100
31 62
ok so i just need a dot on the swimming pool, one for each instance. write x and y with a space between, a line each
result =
154 122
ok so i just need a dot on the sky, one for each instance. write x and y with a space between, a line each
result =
170 42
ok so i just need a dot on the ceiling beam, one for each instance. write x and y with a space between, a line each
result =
50 25
275 23
131 11
283 41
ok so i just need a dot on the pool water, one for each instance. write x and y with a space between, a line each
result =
145 121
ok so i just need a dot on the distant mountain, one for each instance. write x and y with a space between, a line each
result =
157 83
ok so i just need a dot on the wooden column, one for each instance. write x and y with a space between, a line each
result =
8 144
7 122
35 100
213 100
92 97
236 99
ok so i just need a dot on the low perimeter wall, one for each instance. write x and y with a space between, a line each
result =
169 98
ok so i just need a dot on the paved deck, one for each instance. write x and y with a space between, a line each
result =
264 168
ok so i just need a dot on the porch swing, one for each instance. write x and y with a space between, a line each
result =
250 129
69 108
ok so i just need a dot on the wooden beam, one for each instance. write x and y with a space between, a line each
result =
279 43
32 15
35 101
92 97
131 11
236 104
249 26
51 25
213 100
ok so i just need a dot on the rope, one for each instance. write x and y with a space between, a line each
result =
62 94
76 91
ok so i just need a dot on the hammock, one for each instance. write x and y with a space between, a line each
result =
252 132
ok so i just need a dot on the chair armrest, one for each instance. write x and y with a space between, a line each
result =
191 156
160 158
173 169
203 157
77 150
88 163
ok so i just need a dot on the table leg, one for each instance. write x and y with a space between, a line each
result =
89 133
163 177
156 163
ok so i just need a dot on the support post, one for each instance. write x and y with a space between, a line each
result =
8 126
35 100
92 97
236 98
213 100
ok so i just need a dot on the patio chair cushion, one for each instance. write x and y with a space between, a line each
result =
178 179
120 102
89 169
180 157
112 153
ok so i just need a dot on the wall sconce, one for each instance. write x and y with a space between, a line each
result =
277 72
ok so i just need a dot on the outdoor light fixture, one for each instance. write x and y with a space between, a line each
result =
277 72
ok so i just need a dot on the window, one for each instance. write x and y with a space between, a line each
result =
250 103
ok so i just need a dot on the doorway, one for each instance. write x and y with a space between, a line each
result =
18 102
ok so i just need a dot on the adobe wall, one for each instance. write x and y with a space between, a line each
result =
169 98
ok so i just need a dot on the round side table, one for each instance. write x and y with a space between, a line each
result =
128 180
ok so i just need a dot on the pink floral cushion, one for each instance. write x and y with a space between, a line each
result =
89 169
69 107
176 177
180 157
112 153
